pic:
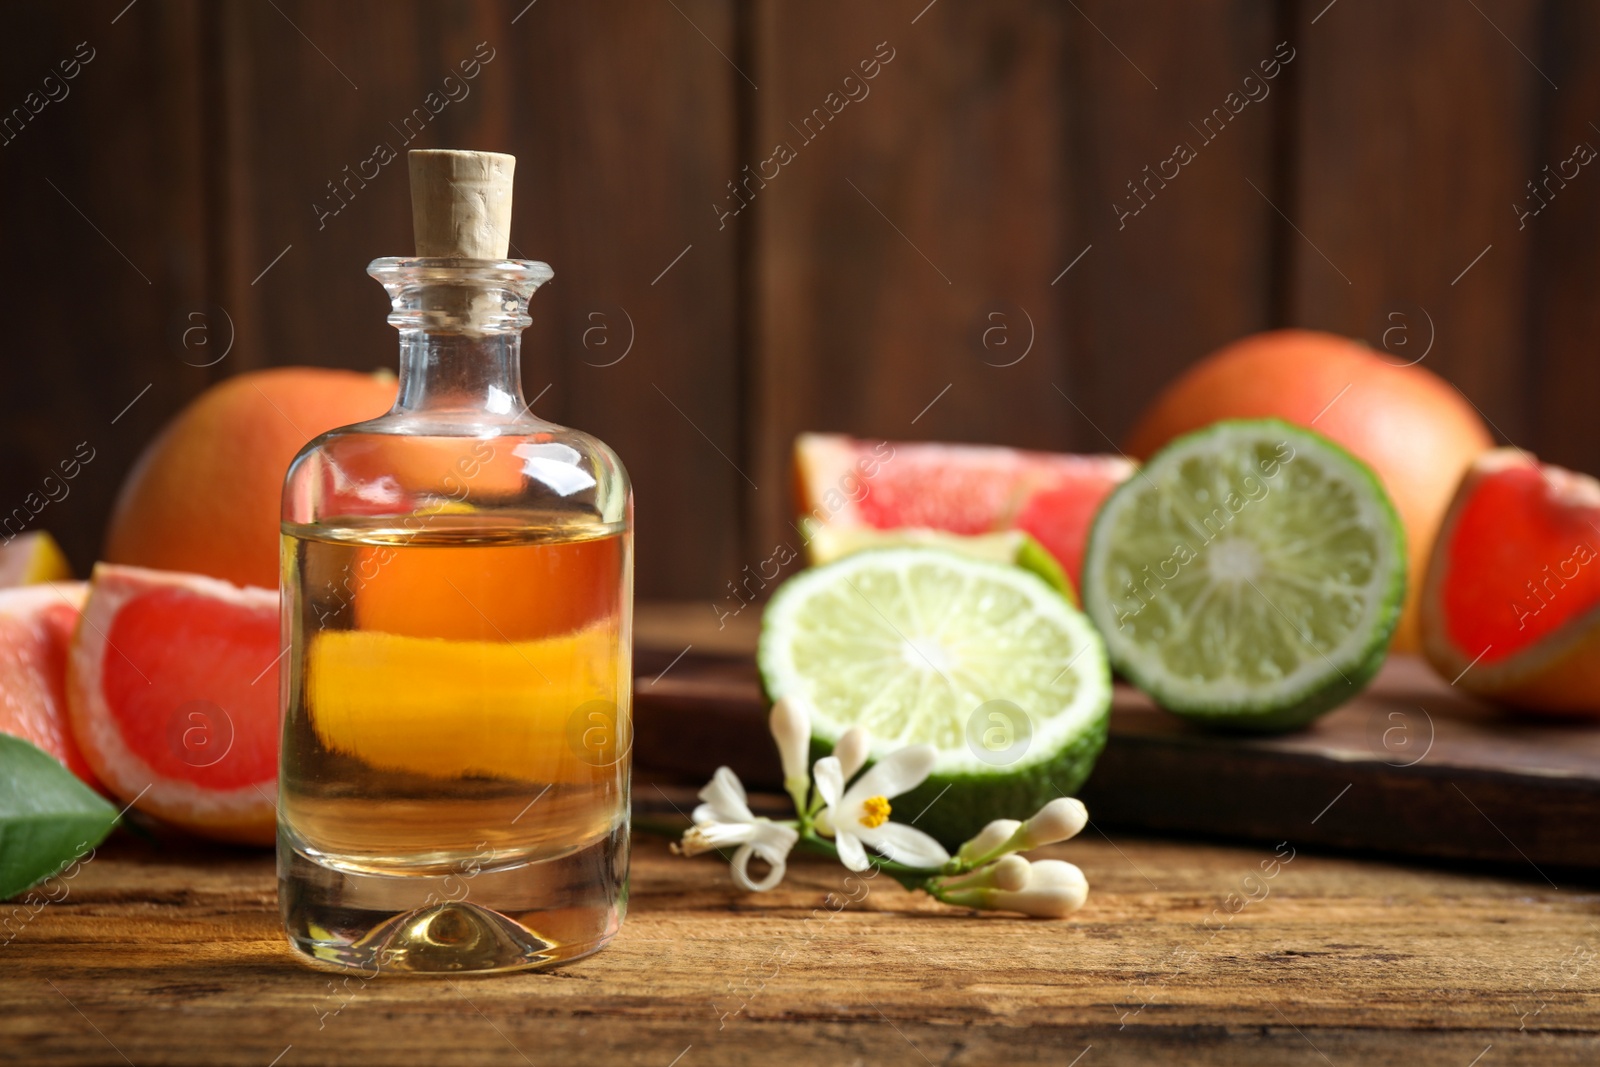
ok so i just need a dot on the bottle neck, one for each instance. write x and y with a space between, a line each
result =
460 324
460 374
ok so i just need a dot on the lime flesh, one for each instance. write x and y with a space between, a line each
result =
982 660
1249 576
828 543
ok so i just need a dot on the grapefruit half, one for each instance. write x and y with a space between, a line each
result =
36 625
207 494
173 690
1511 605
845 482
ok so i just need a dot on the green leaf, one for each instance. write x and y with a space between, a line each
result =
47 817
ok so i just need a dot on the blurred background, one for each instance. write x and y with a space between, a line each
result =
949 220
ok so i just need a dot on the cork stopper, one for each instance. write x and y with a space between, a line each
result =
461 203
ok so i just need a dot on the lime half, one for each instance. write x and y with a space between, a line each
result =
984 661
1249 576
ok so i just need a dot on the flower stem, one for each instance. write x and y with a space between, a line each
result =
910 877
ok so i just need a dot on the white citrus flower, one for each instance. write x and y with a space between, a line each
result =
726 819
860 815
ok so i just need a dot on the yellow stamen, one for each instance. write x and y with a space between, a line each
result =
875 812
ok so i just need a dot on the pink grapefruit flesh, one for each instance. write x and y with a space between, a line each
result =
964 489
1511 605
173 688
36 624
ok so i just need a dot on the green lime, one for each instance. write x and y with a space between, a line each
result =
1249 576
825 543
984 661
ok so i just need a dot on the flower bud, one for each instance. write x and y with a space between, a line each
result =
988 841
1055 873
1009 872
1058 820
1055 889
791 729
852 750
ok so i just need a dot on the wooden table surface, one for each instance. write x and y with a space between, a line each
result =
167 953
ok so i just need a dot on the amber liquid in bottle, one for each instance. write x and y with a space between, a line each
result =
453 739
435 718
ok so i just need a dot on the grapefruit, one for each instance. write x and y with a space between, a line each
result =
173 689
36 625
1511 605
33 557
206 494
1408 424
845 482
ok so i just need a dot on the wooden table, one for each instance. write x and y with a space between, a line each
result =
168 953
165 952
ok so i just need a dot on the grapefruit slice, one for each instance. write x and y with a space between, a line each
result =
33 557
36 625
173 689
1511 606
844 482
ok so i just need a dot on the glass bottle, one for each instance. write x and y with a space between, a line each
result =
457 601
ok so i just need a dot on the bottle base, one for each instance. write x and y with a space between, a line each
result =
472 920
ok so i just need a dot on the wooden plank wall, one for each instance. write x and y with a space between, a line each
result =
885 275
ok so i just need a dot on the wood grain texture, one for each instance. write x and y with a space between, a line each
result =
102 206
904 256
1563 364
1407 172
1191 268
1411 767
162 954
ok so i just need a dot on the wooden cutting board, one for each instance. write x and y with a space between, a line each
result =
1411 767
